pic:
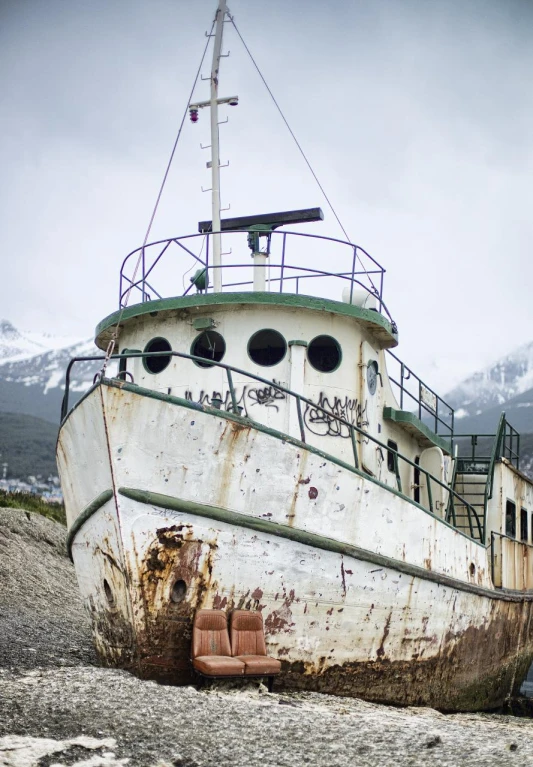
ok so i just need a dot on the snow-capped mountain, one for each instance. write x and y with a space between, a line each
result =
506 383
16 344
32 371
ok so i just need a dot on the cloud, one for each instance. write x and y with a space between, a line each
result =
416 117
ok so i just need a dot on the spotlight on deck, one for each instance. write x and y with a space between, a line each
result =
265 222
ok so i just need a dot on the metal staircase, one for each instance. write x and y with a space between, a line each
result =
471 484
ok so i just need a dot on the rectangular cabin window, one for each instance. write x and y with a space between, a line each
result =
510 519
391 457
417 480
523 525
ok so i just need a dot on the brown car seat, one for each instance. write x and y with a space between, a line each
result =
211 651
248 644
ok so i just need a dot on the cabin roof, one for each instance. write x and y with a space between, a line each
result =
382 329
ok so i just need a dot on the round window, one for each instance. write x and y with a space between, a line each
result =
324 354
372 372
267 347
157 364
179 589
109 593
210 345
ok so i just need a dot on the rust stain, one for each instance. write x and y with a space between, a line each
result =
313 493
219 603
281 619
343 579
381 649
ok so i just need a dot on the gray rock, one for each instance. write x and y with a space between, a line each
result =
58 709
42 620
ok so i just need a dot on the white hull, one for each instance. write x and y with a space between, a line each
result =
362 591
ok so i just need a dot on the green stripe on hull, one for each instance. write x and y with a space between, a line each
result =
86 514
236 519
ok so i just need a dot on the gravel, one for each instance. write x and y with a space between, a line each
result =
58 708
42 620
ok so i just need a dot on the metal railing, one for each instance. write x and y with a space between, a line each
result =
356 432
415 396
505 443
357 268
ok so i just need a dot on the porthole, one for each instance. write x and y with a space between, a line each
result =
108 593
179 589
324 354
210 345
267 347
159 363
372 373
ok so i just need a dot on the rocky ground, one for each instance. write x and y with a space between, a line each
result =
57 707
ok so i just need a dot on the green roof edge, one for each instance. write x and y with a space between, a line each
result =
272 299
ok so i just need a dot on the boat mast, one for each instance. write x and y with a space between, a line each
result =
214 164
215 150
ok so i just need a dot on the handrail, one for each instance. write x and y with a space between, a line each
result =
358 264
495 454
426 400
352 428
502 446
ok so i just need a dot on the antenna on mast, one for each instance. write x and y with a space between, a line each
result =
214 164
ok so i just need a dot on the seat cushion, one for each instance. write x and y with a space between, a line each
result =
260 664
218 665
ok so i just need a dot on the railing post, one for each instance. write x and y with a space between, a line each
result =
207 263
300 418
452 509
354 259
397 471
354 447
282 262
234 405
430 493
401 385
144 274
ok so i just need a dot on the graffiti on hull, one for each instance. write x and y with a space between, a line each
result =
322 420
247 398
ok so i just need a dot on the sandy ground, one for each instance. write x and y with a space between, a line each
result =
58 708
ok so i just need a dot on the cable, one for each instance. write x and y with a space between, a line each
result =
290 130
302 153
112 342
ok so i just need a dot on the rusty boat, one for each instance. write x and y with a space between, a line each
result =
255 443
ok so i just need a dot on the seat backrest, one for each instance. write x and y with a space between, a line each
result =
247 634
210 633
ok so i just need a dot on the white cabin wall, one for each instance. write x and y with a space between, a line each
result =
511 485
343 392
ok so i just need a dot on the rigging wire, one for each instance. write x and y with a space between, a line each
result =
231 18
114 337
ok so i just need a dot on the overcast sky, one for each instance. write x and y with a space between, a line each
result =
417 117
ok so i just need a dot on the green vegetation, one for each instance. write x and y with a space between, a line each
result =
35 503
